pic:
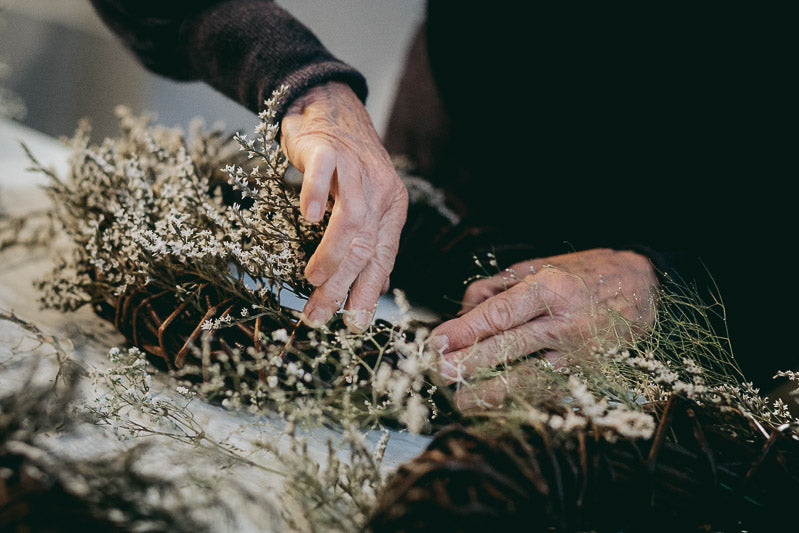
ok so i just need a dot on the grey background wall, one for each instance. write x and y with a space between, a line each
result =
66 65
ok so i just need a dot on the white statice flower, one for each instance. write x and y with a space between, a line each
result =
382 378
626 423
585 400
574 422
791 375
280 335
404 309
555 422
399 387
414 415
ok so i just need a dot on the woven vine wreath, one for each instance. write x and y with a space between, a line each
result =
700 471
186 243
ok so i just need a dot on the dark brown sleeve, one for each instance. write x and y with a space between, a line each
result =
243 48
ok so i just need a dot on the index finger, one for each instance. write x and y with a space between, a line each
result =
518 305
346 221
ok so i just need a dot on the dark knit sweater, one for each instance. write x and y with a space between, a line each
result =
661 129
244 49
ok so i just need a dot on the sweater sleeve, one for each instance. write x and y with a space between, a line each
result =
243 48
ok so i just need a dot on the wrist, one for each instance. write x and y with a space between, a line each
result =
324 96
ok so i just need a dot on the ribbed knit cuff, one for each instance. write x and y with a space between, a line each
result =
303 79
248 48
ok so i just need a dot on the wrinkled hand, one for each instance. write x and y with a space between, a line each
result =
328 135
559 305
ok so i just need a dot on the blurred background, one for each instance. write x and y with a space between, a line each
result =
66 65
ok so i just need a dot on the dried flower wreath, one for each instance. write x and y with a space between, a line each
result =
189 262
187 245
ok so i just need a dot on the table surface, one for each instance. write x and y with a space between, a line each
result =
91 338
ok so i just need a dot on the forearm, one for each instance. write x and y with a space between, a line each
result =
243 48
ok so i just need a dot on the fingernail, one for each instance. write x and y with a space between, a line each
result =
317 318
314 212
439 343
359 320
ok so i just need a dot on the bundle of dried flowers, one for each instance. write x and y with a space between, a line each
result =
187 244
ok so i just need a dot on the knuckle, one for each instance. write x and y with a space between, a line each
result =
331 294
354 218
472 293
362 249
468 332
304 142
571 286
499 315
549 283
385 255
400 194
382 263
319 126
320 148
480 284
311 143
391 192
